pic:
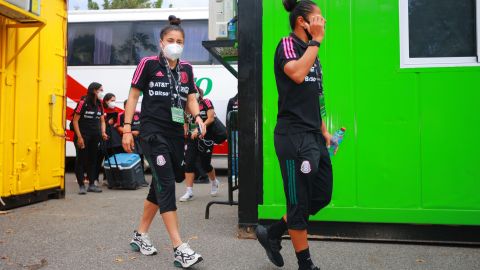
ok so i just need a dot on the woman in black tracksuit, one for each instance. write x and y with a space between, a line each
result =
168 89
200 147
89 127
301 137
114 143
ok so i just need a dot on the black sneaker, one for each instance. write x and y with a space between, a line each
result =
271 246
93 188
82 190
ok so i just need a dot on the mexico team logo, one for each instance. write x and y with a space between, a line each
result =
306 168
184 78
161 160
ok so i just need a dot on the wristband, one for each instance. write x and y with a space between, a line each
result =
313 43
127 124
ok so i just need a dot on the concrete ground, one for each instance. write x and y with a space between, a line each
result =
93 232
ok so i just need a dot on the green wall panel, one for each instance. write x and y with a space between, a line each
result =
411 152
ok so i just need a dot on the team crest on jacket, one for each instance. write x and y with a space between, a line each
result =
136 118
161 160
184 77
306 168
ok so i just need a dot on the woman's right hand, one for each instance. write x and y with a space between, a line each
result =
80 143
316 27
127 142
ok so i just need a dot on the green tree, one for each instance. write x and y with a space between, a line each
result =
158 4
120 4
92 5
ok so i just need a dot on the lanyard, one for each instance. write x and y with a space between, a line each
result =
174 84
321 96
319 76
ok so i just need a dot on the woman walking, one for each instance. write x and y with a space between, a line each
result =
301 137
168 89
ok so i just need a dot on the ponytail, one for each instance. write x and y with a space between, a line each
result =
298 8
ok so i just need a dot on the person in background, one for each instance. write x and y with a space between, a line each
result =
200 147
114 143
89 127
233 106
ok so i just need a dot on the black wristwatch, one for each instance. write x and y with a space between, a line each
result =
313 43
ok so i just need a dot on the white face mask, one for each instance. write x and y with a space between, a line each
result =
100 95
111 104
173 51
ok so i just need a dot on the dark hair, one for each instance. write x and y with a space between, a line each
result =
298 8
200 92
173 26
91 97
106 98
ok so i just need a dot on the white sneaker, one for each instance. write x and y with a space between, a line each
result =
215 188
186 197
141 242
185 256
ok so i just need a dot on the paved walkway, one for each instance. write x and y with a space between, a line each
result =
93 232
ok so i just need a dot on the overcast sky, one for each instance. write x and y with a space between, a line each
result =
82 4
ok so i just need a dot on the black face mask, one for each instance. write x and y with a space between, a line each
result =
306 31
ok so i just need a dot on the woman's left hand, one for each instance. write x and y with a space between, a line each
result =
194 135
202 126
105 136
328 138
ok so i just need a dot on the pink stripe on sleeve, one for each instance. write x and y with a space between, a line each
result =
140 68
292 51
208 103
80 106
285 49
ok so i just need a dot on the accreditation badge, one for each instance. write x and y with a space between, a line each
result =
177 115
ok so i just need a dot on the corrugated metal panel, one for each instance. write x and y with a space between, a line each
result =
32 102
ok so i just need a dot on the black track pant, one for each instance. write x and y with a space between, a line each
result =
86 160
307 175
165 157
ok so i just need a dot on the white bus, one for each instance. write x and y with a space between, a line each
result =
106 45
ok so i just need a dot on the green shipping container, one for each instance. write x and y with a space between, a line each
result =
412 147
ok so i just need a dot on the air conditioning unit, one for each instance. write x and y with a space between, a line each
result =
220 13
27 5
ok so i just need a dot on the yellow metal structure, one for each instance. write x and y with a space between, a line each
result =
32 102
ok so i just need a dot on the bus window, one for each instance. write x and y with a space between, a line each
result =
100 44
195 33
147 38
125 43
